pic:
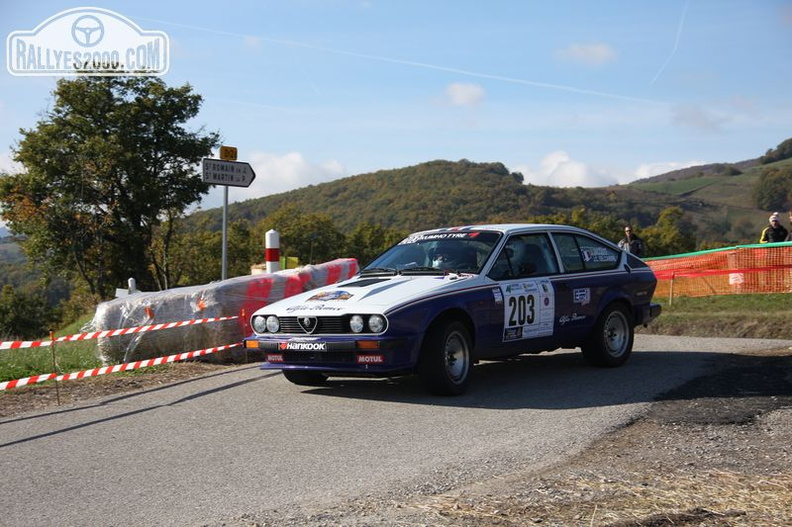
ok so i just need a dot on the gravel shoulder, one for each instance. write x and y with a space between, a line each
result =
714 452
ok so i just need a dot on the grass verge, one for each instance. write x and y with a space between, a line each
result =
745 316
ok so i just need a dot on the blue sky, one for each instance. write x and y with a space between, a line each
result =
570 93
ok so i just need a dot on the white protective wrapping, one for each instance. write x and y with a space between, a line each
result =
235 297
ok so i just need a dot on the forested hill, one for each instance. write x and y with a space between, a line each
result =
440 193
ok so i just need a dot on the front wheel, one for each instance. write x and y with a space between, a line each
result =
445 363
305 378
611 341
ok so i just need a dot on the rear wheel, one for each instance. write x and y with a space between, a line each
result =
305 378
611 341
445 363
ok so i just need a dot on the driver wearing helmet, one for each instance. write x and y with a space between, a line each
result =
446 256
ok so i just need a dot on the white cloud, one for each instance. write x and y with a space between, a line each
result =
275 174
464 94
7 163
655 169
593 54
558 169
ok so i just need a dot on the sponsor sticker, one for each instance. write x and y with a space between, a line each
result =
314 307
581 296
496 292
370 359
440 236
303 346
331 295
529 309
597 254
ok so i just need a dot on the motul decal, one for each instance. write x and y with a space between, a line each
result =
370 359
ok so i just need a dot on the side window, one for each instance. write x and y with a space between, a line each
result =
570 253
525 256
581 253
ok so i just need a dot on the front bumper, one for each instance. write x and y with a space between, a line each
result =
334 354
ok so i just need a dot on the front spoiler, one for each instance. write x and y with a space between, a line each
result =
364 356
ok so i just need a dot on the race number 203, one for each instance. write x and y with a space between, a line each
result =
522 310
529 310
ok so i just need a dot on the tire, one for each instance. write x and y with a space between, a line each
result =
445 363
610 342
305 378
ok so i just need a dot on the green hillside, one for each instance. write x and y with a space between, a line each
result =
716 200
726 200
441 193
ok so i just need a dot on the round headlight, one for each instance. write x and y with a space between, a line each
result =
259 324
356 323
376 323
273 324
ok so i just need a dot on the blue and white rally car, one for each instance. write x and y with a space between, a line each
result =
441 300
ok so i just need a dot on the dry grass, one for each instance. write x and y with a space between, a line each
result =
712 498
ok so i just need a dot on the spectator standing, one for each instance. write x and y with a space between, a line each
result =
774 232
631 242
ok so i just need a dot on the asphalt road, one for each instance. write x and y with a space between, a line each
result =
214 449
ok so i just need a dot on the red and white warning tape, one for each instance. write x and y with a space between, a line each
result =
17 383
16 344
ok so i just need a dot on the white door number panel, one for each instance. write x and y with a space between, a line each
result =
529 309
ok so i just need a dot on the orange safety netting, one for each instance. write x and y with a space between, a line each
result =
763 268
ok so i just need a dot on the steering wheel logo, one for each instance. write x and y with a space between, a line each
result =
87 31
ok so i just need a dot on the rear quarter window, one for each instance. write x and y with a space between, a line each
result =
580 253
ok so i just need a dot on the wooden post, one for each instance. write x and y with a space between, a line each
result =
671 290
55 367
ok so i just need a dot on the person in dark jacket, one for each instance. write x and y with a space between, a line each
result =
631 242
774 232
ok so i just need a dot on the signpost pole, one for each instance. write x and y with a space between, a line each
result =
226 171
224 272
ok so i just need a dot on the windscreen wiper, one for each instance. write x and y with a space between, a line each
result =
422 270
390 271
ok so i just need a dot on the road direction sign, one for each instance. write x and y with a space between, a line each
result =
229 173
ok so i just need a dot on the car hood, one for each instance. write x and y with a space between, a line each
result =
369 294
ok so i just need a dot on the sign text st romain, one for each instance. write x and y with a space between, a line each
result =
229 173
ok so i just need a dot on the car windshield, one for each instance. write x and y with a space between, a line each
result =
451 251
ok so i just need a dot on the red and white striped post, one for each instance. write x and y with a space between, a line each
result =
272 252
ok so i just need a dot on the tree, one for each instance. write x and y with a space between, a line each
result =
367 241
782 151
773 191
23 316
671 234
195 257
105 167
313 238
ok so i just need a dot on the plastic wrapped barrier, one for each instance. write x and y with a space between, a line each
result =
236 297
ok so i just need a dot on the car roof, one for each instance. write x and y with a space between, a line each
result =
505 228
